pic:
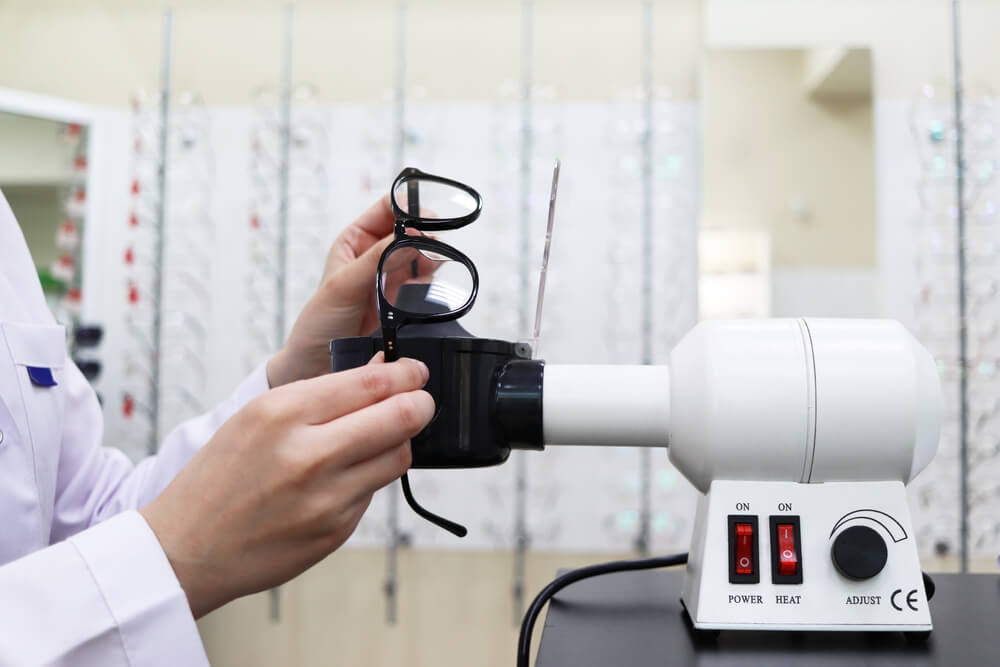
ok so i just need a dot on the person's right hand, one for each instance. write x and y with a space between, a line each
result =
285 481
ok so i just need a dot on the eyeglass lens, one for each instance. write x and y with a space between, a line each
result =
437 201
450 282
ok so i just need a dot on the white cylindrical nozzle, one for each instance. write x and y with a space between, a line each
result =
625 406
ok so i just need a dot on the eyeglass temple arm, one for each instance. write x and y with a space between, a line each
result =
452 527
391 354
389 343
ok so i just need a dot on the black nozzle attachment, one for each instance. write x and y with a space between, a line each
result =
488 395
465 432
517 403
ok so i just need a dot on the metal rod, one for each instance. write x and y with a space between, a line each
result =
285 126
281 269
391 584
642 541
76 281
963 380
524 269
156 331
521 537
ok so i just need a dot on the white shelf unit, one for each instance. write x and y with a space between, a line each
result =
734 278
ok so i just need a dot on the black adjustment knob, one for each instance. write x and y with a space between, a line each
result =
859 553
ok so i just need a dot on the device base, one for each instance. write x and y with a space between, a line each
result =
775 556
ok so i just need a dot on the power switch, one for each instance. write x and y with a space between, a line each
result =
786 550
743 538
788 560
744 548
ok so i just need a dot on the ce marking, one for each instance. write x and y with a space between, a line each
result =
911 599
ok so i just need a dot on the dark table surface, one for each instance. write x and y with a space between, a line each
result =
635 619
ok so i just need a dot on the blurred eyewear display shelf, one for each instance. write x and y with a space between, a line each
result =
634 619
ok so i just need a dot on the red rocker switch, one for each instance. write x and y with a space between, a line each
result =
788 558
786 549
744 548
744 539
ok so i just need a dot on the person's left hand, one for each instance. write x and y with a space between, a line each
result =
345 304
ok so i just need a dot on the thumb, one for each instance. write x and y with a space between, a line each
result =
355 280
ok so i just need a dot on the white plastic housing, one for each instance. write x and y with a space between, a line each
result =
817 400
878 397
744 408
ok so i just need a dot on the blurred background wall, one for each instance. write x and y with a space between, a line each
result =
795 165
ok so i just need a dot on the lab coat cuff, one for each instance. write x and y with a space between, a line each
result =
252 386
141 591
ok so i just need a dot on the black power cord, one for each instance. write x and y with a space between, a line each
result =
573 576
929 586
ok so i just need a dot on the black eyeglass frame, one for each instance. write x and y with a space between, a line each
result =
414 220
393 318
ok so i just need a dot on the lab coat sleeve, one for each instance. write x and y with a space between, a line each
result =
95 482
107 596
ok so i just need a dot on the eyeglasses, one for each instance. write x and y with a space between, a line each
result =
422 279
413 259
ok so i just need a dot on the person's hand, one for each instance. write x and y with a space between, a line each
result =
345 304
285 481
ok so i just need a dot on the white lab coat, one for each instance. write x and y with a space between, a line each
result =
83 579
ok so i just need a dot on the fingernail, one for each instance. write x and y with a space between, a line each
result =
424 371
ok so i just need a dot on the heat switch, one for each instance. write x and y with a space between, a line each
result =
786 550
788 560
